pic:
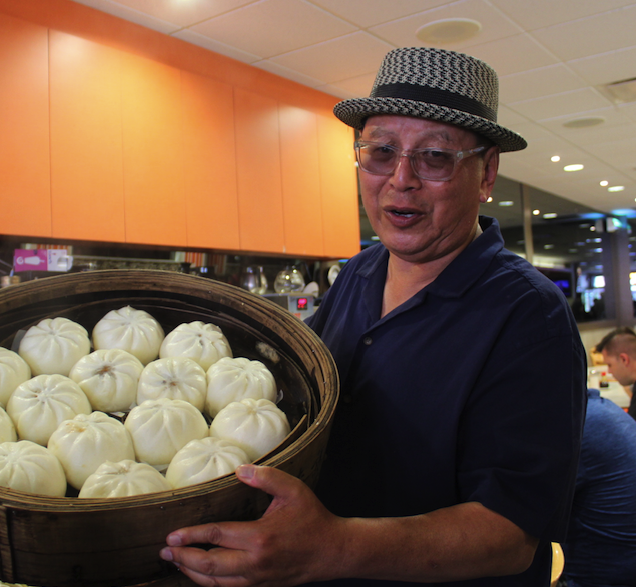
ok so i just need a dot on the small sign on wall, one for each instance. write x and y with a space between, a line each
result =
41 260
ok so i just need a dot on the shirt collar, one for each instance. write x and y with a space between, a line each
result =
471 263
462 272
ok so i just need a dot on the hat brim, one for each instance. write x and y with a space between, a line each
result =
354 111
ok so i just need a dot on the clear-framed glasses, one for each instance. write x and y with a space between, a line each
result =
434 164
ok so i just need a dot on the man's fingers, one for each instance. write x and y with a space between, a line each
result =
270 480
225 534
209 565
202 534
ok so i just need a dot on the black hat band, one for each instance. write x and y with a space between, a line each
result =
435 96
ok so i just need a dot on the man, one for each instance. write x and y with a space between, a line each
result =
454 447
619 354
601 545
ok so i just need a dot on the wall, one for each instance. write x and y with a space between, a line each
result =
121 134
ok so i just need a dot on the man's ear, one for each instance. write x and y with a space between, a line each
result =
491 166
625 358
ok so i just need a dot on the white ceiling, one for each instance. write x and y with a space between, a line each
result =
552 56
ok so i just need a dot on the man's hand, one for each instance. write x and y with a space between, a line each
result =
296 540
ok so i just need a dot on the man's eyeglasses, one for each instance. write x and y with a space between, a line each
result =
433 164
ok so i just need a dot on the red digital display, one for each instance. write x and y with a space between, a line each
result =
301 304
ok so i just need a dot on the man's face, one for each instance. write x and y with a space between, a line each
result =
621 367
420 220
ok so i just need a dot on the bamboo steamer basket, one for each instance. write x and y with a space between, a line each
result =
68 542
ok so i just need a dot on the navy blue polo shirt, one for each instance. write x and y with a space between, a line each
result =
472 390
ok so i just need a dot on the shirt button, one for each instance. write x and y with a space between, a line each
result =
367 340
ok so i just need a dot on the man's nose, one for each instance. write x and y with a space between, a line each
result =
404 176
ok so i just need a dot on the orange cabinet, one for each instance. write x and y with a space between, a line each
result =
152 126
87 184
260 202
338 188
209 160
102 144
25 195
300 172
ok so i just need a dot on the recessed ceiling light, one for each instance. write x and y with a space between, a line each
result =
622 91
448 30
506 203
548 247
616 188
550 215
489 200
604 183
575 167
555 159
536 212
584 122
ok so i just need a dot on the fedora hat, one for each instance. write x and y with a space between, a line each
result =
438 85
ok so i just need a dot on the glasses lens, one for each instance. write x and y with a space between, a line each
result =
433 163
380 159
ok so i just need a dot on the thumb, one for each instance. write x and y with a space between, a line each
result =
268 479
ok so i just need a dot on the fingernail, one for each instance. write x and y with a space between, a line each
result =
166 554
246 472
174 539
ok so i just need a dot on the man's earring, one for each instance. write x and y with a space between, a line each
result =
483 199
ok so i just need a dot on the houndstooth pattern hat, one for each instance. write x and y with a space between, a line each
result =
438 85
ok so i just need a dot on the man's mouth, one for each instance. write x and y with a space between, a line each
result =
403 214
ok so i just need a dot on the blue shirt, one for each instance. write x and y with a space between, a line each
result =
472 390
601 546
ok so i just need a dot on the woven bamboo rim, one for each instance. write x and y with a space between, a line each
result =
272 329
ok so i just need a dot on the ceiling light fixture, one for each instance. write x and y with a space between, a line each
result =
448 30
555 159
605 183
536 212
506 203
616 188
621 92
574 167
550 215
584 122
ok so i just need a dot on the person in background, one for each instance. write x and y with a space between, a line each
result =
600 549
454 448
619 354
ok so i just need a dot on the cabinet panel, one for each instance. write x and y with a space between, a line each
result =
87 185
339 190
209 163
259 173
302 209
152 152
24 119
